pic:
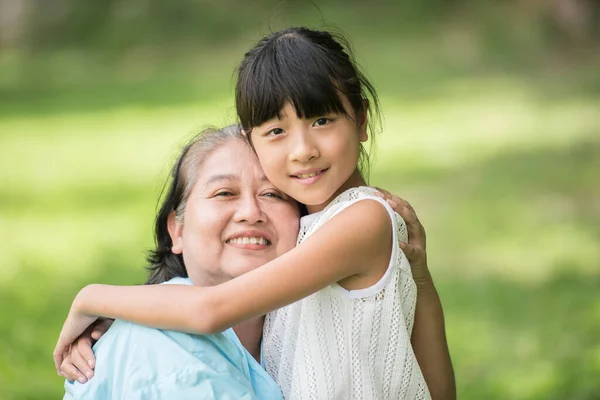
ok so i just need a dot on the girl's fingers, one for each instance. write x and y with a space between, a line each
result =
82 370
58 359
71 373
97 333
101 328
84 349
60 351
80 362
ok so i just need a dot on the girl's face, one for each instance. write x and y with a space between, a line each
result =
312 160
235 220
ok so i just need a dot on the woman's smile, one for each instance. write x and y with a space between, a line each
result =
249 240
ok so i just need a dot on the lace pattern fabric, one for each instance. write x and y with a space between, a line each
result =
338 344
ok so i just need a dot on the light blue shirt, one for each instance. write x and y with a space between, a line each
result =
134 362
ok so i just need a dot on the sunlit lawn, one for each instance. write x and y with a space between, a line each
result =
504 177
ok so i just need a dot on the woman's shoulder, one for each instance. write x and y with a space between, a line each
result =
179 280
135 359
165 349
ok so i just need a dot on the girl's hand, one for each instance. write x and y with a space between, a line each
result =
77 322
76 364
415 249
79 362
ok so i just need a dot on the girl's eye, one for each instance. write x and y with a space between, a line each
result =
275 132
321 121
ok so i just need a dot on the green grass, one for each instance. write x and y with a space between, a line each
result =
501 167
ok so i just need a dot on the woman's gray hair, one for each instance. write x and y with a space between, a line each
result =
194 154
163 264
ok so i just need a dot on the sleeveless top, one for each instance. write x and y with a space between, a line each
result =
348 344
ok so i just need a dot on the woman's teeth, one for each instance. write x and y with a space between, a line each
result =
249 240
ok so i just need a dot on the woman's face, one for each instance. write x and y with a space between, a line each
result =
235 220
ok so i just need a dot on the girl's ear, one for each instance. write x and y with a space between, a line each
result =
247 136
363 120
176 232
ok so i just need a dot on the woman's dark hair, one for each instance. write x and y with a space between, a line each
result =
309 69
163 264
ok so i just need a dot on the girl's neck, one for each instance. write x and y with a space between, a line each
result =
355 180
250 334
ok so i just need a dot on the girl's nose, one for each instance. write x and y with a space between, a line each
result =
304 149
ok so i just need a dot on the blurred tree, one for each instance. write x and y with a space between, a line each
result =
575 18
114 26
12 26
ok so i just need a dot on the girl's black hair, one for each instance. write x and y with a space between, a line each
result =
308 68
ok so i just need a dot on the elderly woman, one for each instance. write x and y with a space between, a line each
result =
221 218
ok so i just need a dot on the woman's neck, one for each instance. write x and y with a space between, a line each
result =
250 334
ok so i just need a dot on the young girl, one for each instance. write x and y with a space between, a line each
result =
342 303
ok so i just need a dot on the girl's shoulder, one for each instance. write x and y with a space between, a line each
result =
353 194
339 203
312 222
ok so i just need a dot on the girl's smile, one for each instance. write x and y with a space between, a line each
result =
311 159
309 176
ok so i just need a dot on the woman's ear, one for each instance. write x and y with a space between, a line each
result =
176 232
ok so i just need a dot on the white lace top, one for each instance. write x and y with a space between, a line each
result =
341 344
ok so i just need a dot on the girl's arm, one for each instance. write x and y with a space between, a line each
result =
357 241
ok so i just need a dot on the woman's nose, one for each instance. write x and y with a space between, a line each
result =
249 210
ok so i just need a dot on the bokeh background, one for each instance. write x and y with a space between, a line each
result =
491 129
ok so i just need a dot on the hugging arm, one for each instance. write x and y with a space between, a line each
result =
79 361
356 238
430 345
429 333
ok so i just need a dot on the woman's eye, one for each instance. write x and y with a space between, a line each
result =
223 194
274 194
321 121
275 132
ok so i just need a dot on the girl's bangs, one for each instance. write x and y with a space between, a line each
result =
295 73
